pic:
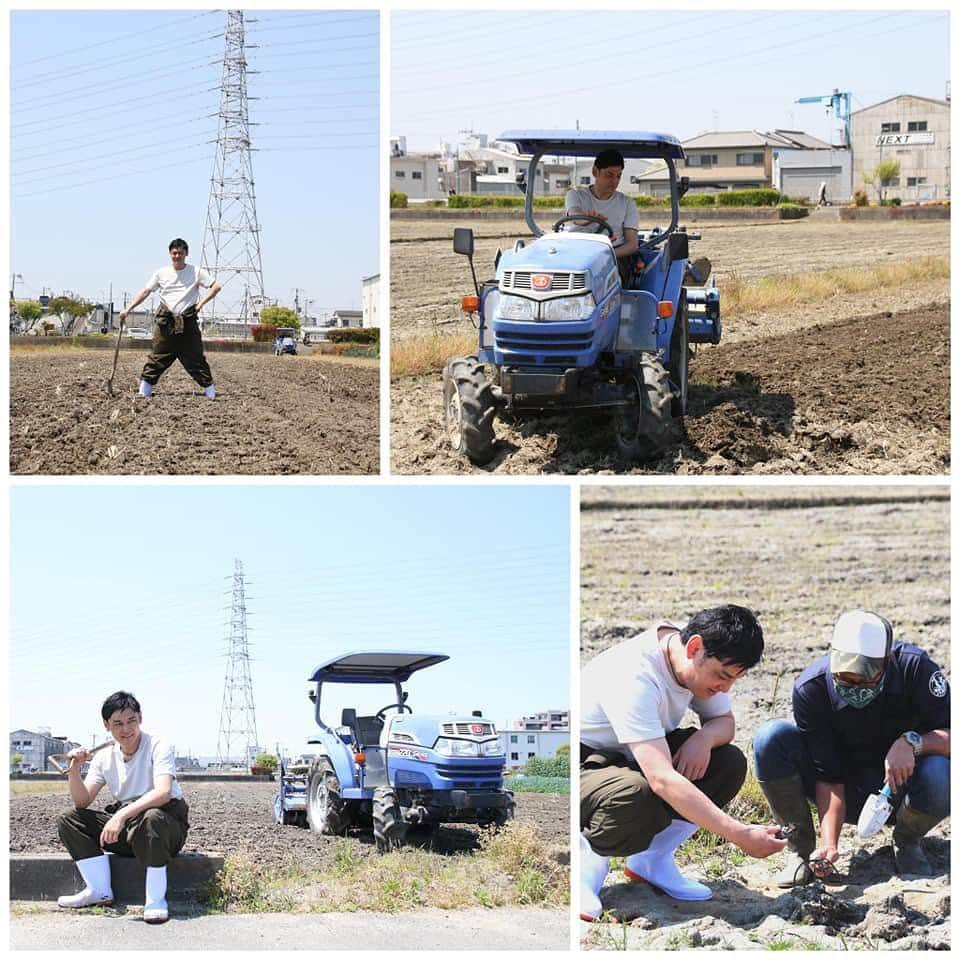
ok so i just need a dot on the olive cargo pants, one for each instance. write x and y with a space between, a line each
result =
619 812
153 837
168 345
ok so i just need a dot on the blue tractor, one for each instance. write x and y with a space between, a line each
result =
559 328
394 769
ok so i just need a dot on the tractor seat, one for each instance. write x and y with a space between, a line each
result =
366 730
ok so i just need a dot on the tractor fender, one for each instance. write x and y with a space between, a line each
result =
340 759
672 291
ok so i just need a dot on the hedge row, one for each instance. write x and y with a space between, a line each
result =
519 783
354 335
397 199
726 198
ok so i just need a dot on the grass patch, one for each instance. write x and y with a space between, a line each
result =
764 293
537 784
24 788
421 355
513 866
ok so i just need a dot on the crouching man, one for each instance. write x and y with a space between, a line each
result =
869 713
148 819
647 785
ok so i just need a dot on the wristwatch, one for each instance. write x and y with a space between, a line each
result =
915 741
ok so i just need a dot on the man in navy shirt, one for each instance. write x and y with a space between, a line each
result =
868 713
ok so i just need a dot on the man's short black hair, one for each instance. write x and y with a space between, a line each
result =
730 633
608 158
179 244
121 700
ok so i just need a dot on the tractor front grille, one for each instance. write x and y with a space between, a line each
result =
563 281
480 777
555 348
468 729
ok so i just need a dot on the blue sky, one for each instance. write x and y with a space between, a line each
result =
127 587
681 72
113 114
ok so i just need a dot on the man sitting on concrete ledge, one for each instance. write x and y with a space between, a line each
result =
148 819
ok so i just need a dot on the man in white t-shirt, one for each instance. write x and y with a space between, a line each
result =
148 819
646 785
602 199
176 335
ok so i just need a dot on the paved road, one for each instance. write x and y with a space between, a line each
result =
500 929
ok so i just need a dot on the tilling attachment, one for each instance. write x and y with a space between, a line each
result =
875 813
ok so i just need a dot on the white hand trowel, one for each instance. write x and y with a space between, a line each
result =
875 813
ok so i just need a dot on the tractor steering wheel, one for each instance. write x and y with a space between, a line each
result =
580 217
401 707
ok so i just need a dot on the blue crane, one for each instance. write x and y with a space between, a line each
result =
840 102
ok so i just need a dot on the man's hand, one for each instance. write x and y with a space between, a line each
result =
825 855
112 828
760 842
693 757
78 757
899 763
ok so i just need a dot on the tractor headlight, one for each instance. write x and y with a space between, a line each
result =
491 748
517 308
569 308
449 747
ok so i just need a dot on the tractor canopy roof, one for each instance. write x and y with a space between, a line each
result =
588 143
375 667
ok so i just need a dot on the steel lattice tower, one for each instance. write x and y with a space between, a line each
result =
231 237
238 722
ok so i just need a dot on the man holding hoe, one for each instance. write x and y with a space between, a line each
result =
646 784
148 819
177 332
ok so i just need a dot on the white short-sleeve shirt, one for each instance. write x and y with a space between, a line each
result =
130 779
179 289
621 212
629 695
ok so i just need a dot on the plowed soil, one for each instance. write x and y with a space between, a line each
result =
857 384
226 817
272 415
798 557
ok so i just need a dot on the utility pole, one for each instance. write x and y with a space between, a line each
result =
238 723
231 237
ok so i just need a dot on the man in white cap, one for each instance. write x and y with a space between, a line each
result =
868 713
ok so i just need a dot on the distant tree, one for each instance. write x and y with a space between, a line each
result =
881 177
16 760
563 750
267 760
279 317
27 312
69 310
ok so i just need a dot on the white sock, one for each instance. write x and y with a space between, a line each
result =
593 871
156 887
209 392
656 864
146 389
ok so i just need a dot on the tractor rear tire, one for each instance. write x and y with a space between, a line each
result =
327 813
680 359
389 829
645 428
469 409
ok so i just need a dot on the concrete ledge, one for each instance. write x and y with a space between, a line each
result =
46 876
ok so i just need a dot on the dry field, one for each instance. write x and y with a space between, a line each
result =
828 386
798 557
272 415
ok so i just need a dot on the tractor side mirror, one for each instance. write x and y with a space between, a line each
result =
463 241
313 696
684 185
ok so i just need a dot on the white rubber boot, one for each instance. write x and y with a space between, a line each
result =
210 393
593 871
155 902
146 389
656 866
98 891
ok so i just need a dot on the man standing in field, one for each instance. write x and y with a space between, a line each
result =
602 199
647 785
148 819
869 713
176 335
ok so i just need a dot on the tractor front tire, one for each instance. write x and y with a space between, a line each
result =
499 816
469 409
327 813
389 829
644 427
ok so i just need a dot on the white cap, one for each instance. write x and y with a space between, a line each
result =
862 633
